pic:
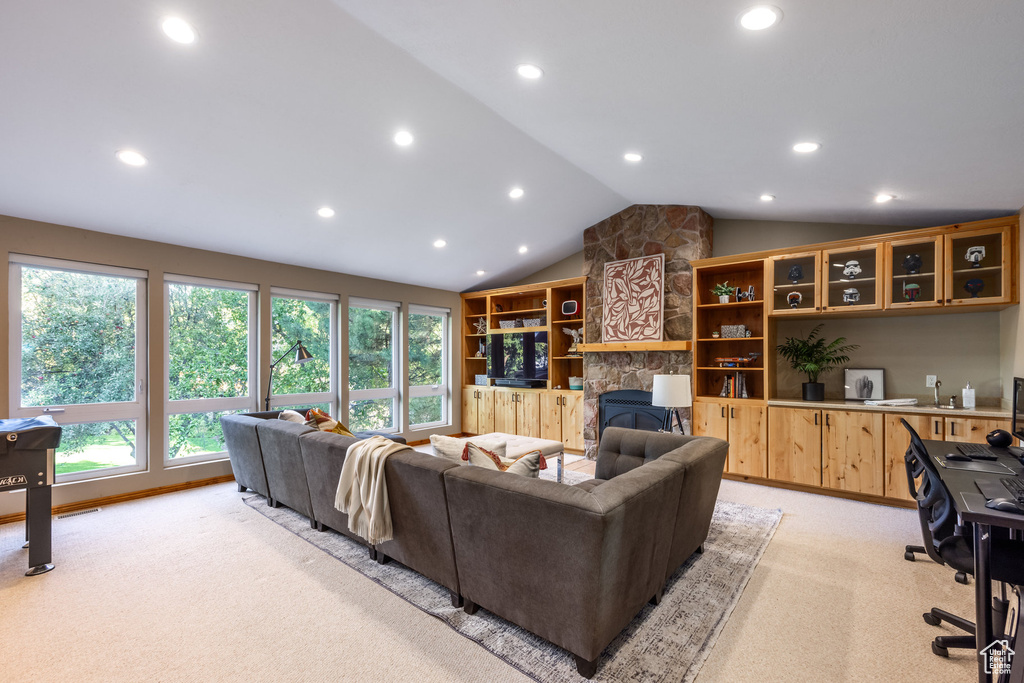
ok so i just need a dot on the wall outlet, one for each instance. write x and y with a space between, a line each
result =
929 381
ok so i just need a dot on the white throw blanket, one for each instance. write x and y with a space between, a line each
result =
362 491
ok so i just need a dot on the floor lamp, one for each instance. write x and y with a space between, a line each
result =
302 356
672 392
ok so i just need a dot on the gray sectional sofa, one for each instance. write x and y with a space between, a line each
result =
573 564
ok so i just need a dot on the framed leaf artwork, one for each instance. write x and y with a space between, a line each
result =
634 293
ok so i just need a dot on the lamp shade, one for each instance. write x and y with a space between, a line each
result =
302 355
672 391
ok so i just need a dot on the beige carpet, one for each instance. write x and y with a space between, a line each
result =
195 586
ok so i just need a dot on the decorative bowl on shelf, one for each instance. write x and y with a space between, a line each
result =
533 322
506 324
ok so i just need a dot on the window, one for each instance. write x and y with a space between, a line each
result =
428 366
312 319
372 365
76 330
211 367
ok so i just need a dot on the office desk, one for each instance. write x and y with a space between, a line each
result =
970 508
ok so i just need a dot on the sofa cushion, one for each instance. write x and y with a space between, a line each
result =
292 416
622 450
528 465
318 419
589 484
452 447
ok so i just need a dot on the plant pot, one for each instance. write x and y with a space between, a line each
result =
723 299
814 391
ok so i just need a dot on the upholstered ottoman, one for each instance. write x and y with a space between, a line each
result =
516 446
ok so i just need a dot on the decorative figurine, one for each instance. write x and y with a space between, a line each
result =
796 274
482 349
912 264
974 286
911 291
852 269
975 256
714 335
745 296
481 325
794 298
851 295
576 335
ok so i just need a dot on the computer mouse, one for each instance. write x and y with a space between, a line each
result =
1003 505
958 457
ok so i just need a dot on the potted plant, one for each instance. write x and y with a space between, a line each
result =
814 356
723 291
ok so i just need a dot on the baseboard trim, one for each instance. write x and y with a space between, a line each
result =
122 497
835 493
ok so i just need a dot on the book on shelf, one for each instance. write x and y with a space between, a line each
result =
734 386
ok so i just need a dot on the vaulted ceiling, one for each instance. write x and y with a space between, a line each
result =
281 107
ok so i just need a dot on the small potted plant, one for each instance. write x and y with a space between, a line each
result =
723 291
814 356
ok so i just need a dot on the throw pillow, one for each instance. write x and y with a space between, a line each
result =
318 419
528 465
451 447
292 416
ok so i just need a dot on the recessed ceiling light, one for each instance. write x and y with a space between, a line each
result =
440 243
516 192
883 198
179 30
403 138
325 212
480 272
767 198
131 157
523 249
529 71
632 156
805 147
760 17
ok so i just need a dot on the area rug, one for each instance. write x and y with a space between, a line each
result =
669 642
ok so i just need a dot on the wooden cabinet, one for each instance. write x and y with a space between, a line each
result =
794 452
979 266
914 268
852 279
477 410
744 425
970 430
793 283
852 453
517 411
561 418
897 440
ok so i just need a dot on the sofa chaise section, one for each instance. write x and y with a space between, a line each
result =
244 452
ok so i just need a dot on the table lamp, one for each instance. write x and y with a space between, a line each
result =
302 356
672 392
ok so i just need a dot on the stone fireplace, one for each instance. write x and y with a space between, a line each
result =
682 233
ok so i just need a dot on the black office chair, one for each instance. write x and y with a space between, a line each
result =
938 516
943 523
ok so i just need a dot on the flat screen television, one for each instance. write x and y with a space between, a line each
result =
518 359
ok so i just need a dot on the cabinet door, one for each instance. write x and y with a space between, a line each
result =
551 415
914 273
505 411
572 420
897 440
792 285
978 267
853 451
485 410
711 419
528 414
469 410
748 440
971 430
852 279
794 453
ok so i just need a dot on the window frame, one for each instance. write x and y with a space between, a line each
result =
72 414
332 395
207 405
394 392
442 389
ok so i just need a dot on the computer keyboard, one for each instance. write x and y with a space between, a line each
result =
1015 486
973 449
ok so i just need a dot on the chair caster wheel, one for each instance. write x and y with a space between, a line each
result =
939 650
961 578
931 620
908 556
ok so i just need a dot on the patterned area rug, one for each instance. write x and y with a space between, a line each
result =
665 643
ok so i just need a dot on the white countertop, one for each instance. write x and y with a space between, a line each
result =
992 412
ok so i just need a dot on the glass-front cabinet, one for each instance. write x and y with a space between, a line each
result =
792 283
978 267
915 273
852 279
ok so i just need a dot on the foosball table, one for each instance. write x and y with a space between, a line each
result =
27 447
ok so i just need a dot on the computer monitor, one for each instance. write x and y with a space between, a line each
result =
1018 408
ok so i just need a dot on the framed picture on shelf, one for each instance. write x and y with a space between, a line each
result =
864 384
